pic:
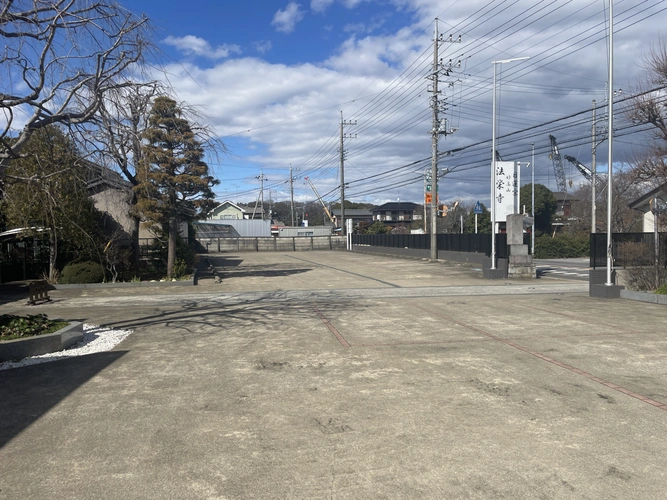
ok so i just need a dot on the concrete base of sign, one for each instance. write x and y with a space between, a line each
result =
494 274
606 291
597 285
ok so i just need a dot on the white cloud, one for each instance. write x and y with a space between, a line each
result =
285 20
263 46
193 45
320 5
289 112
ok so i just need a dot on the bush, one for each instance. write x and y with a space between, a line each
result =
17 327
639 263
82 272
561 247
662 290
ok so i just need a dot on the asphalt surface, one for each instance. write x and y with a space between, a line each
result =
340 375
576 268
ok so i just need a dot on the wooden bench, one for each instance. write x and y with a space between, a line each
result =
39 292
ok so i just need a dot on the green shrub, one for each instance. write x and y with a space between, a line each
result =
82 272
180 268
17 327
662 290
561 247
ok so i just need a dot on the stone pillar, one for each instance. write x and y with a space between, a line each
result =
520 263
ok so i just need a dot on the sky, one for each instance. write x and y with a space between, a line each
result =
273 78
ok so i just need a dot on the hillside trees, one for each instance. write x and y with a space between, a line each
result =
174 184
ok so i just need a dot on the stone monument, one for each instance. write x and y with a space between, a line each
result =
520 263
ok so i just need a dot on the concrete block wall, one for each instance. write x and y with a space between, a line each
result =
272 244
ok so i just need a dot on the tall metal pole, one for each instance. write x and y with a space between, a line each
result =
610 138
532 201
493 160
291 189
342 178
656 240
434 150
261 182
425 191
593 169
493 173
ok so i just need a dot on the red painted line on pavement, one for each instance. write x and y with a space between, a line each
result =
332 328
560 364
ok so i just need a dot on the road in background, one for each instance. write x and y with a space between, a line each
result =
576 269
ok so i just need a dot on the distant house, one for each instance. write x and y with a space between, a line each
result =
395 213
563 204
252 212
228 210
357 215
645 204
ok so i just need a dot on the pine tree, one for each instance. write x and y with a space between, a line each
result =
174 181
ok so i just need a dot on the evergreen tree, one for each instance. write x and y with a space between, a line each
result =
545 206
46 190
174 182
483 221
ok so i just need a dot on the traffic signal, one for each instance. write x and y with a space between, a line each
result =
442 210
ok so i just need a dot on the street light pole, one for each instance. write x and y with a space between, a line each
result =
610 138
493 160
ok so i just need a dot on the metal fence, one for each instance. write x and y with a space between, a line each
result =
621 253
455 242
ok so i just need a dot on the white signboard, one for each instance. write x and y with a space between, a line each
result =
506 189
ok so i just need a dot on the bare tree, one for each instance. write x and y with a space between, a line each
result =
650 107
61 59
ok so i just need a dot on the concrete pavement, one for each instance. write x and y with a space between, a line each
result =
338 375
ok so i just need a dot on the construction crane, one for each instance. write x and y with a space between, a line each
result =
561 184
585 171
326 210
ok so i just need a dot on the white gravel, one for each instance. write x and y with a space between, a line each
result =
95 339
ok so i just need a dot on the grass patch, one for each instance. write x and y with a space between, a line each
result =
19 327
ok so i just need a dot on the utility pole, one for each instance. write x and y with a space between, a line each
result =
342 169
532 200
270 206
261 189
593 168
291 190
438 128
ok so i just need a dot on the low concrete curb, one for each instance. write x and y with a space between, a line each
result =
133 284
653 298
12 350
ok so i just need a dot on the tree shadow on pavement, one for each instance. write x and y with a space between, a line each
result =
206 317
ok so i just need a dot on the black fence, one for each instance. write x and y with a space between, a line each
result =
455 242
626 247
24 259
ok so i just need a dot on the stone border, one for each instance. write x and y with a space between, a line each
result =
194 280
12 350
653 298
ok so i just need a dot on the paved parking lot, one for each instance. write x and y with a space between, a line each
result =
340 375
